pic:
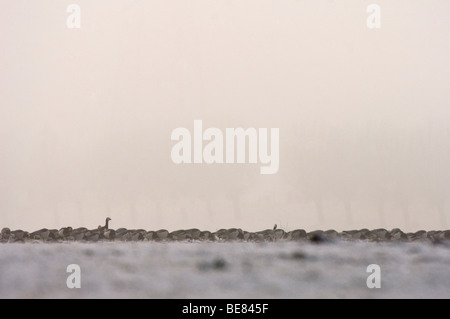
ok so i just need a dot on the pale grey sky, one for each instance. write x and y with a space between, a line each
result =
86 114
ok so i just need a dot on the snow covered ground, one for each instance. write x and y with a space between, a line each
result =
224 270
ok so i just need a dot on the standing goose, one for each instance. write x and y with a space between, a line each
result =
104 232
106 227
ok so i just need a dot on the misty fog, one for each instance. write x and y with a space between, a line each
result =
86 114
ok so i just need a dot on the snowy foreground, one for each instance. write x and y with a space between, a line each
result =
224 270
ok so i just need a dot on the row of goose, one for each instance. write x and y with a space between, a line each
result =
233 234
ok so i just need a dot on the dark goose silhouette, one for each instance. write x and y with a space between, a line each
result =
4 236
65 232
106 227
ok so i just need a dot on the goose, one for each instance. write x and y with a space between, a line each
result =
162 234
122 234
106 227
446 234
233 234
19 235
94 236
150 235
258 237
221 234
298 234
136 236
65 232
78 236
266 234
206 235
333 235
278 234
80 230
54 234
178 235
78 233
6 232
121 231
109 234
317 237
193 233
41 234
